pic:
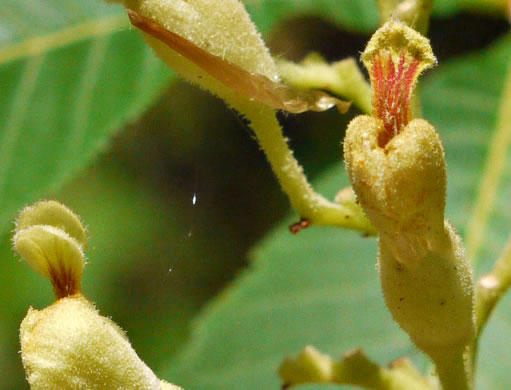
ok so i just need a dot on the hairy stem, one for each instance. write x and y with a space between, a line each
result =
492 287
415 13
343 78
386 8
309 204
454 371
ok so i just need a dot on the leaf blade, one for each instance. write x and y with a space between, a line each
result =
66 93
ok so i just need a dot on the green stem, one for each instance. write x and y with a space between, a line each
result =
489 290
309 204
492 287
342 78
454 370
415 13
386 8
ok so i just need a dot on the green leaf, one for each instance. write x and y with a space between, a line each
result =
318 288
352 15
462 101
321 287
71 73
449 7
359 15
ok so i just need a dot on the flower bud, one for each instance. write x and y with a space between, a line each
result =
68 345
310 366
221 27
50 238
244 85
397 169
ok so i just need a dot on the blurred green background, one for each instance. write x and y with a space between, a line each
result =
180 195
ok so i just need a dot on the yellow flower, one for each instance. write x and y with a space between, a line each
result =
397 169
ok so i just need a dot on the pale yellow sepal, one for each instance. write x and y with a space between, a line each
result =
401 186
70 346
54 254
50 212
221 27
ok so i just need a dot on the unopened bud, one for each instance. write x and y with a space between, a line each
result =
51 238
220 27
69 345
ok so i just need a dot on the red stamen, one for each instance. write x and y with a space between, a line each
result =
377 77
393 85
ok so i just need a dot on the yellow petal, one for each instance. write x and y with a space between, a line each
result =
54 254
50 212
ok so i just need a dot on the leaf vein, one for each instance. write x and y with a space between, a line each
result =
85 98
37 46
493 172
16 117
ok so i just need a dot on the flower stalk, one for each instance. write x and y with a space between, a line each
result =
343 78
234 64
397 168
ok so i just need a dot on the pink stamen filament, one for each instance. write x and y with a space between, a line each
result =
392 86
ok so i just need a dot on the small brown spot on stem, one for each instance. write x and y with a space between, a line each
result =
299 226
